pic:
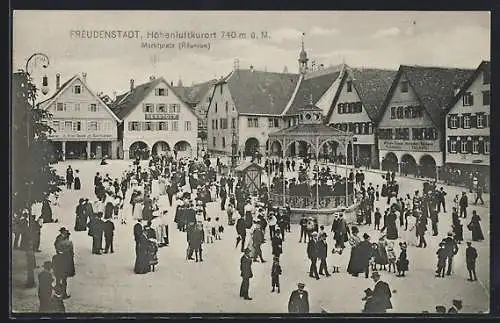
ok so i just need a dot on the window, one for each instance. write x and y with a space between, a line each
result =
174 108
466 119
60 106
233 123
175 125
385 133
407 112
187 126
253 122
453 122
349 86
221 89
487 146
134 126
463 147
55 125
270 122
393 112
213 124
160 92
402 134
417 112
370 128
93 107
480 120
276 122
356 128
77 107
162 125
216 124
227 106
486 97
340 108
77 89
475 147
77 126
161 108
417 133
68 125
453 146
400 112
148 126
223 142
214 143
215 107
468 99
92 126
404 86
486 77
430 133
349 107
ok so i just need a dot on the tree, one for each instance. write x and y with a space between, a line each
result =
33 177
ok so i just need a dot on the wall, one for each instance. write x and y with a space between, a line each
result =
220 99
476 88
169 136
261 133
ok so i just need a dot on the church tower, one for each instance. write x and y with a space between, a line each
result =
303 59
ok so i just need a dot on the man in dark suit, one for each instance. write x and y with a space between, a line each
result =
312 254
381 294
451 248
246 274
299 300
241 231
365 250
322 247
463 203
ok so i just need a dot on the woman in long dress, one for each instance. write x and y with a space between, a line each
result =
390 226
77 185
410 234
162 185
475 227
46 212
354 241
141 260
381 257
81 217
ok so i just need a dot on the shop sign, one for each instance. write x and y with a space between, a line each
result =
477 161
81 136
409 145
161 116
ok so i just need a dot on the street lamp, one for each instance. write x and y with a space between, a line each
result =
234 145
30 255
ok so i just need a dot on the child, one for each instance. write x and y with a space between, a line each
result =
220 229
402 262
378 216
208 230
391 256
108 228
45 281
337 255
275 274
377 192
372 262
441 264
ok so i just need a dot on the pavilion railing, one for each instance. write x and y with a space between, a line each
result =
309 202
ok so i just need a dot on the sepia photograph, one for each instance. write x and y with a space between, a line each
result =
248 162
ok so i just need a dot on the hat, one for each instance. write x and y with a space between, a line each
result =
440 309
314 233
63 229
301 285
457 302
276 258
368 293
375 274
246 250
366 236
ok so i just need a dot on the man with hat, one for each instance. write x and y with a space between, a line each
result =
45 280
451 248
299 300
365 252
381 294
63 261
440 309
312 254
457 306
246 274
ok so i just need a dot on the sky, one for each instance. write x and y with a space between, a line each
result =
358 38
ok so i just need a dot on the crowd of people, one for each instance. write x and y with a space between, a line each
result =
193 184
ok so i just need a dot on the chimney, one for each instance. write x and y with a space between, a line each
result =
151 78
131 85
172 83
58 81
84 75
251 68
114 95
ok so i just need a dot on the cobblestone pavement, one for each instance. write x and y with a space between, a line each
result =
107 283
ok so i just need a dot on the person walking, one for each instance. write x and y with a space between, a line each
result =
241 231
441 263
245 273
381 294
45 281
475 227
322 247
470 260
63 261
299 300
451 250
275 274
312 254
463 203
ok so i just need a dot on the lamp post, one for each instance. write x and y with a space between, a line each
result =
234 146
30 255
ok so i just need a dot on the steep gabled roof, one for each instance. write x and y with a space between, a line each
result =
433 86
127 102
312 89
372 86
257 92
483 67
67 84
194 94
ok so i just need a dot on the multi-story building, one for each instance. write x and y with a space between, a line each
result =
356 109
84 125
411 129
468 124
155 120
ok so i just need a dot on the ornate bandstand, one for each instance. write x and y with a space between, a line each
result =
316 139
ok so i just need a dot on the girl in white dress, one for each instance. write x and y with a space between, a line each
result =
409 235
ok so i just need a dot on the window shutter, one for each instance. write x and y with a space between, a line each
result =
461 121
469 146
481 147
473 121
486 120
448 121
471 99
449 144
